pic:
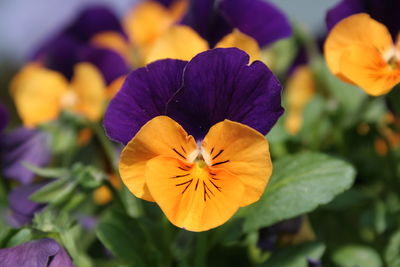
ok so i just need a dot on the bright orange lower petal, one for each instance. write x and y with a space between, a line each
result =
179 42
365 67
37 94
114 87
89 87
243 42
193 199
159 136
244 153
359 29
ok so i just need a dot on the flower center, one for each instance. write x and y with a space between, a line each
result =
69 99
391 57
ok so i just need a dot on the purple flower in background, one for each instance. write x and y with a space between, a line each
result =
269 236
37 253
257 18
215 85
72 45
3 117
22 208
385 11
23 145
314 263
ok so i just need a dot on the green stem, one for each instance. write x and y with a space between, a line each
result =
106 145
201 250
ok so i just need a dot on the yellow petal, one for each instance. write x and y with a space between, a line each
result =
159 136
114 41
37 94
365 67
244 153
359 29
146 22
179 42
243 42
114 87
89 87
193 199
178 9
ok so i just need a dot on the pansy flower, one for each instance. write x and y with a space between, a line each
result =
22 208
23 145
384 11
361 51
40 94
162 29
194 134
73 44
39 253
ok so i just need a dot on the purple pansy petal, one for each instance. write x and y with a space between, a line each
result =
218 85
3 117
93 20
313 263
166 3
22 208
36 253
258 19
59 54
204 18
23 145
110 63
142 97
385 11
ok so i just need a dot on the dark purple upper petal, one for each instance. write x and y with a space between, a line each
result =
166 3
204 17
111 64
258 19
3 117
93 20
218 85
22 208
23 145
385 11
142 97
37 253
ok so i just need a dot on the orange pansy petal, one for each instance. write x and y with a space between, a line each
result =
159 136
112 40
244 153
115 86
146 22
179 42
193 199
89 87
365 67
37 93
243 42
178 9
359 29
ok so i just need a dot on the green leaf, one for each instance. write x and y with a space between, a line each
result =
299 184
22 236
123 236
392 252
55 192
295 256
46 172
356 255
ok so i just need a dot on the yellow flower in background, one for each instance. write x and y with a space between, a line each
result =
103 194
41 94
299 91
198 186
360 50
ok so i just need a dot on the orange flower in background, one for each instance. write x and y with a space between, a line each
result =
41 94
360 50
198 186
299 91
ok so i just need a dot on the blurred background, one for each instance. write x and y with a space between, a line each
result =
24 23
